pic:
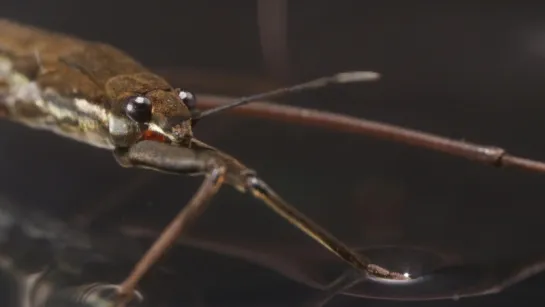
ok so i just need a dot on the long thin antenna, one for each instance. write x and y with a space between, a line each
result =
344 77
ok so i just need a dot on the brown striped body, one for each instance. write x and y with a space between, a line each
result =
79 88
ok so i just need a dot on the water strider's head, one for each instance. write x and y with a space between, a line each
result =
161 115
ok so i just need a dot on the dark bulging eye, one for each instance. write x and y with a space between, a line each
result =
189 99
138 108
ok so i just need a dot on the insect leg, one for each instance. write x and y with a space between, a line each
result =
172 159
490 155
188 161
260 190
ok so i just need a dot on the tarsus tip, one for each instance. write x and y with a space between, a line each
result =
357 76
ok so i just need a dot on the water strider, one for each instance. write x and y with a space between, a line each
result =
95 93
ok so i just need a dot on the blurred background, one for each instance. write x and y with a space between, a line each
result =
458 68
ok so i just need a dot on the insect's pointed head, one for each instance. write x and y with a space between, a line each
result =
160 115
169 115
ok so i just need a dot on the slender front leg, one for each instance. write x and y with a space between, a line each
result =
194 208
260 190
179 160
186 160
201 159
362 264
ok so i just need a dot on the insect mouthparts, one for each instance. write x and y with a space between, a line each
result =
150 135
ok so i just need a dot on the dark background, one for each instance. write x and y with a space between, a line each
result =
460 68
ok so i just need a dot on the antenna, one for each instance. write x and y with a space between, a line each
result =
344 77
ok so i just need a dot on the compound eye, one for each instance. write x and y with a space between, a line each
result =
189 99
138 108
